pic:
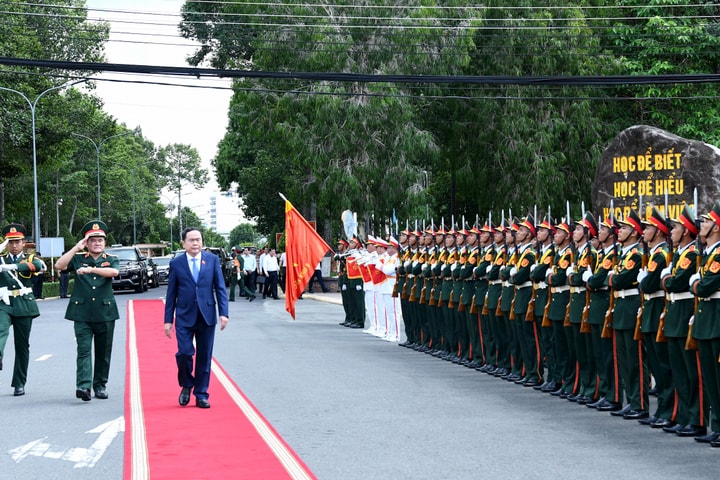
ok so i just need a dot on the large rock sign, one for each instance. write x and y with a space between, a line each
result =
644 163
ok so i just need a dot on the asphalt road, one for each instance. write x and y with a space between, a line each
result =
352 407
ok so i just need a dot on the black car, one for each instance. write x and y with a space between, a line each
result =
134 271
226 261
163 267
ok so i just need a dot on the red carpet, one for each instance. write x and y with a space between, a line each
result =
166 441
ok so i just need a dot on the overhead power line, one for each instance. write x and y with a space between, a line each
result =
540 80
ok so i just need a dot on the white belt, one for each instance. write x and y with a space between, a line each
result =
524 285
674 297
630 292
577 289
495 282
410 275
507 284
650 296
14 293
563 288
541 285
714 296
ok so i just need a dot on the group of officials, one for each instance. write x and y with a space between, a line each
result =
591 311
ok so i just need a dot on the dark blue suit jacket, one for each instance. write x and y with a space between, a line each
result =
184 298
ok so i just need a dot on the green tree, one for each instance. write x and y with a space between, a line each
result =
180 167
243 234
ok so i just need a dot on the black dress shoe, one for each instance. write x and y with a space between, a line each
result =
715 443
597 403
83 394
707 438
19 392
101 393
558 392
621 412
636 414
532 383
184 397
648 420
674 429
540 386
202 403
250 299
662 423
608 406
550 387
584 400
573 398
691 431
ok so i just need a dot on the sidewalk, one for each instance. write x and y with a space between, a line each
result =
329 297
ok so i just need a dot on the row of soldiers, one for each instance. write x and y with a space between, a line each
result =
584 310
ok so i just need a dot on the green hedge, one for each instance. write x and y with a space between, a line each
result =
52 289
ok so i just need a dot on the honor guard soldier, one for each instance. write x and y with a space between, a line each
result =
511 344
403 257
458 311
366 263
556 279
600 307
354 284
585 263
388 266
546 256
472 320
623 279
679 308
525 329
655 233
412 267
487 255
17 303
705 284
439 341
501 354
448 311
427 318
340 259
92 308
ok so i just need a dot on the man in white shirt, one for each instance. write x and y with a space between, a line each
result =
270 269
250 268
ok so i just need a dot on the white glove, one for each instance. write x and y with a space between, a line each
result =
666 271
642 274
695 277
6 267
532 267
548 274
513 271
586 275
569 271
487 270
3 245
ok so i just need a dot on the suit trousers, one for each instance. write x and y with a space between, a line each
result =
204 336
99 334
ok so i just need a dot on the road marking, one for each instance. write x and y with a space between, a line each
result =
80 456
42 358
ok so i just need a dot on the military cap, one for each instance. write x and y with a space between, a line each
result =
590 223
393 241
529 223
94 228
441 231
453 230
430 230
14 231
547 224
657 220
687 220
610 223
476 229
515 225
564 226
633 220
342 241
465 230
714 214
489 227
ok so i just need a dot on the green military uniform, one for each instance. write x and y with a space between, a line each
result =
501 354
545 345
340 258
436 310
560 290
631 365
679 308
526 331
93 310
459 319
486 257
17 305
511 344
658 360
706 328
472 320
354 288
448 313
608 390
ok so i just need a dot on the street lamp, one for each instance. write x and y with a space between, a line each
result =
97 146
33 105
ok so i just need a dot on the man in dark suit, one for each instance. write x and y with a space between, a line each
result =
195 294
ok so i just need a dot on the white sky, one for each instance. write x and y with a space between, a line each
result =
166 114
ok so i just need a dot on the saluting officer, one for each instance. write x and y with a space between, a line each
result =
17 303
92 308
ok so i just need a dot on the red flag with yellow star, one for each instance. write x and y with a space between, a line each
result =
304 249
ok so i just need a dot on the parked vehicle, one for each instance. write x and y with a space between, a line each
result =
133 269
163 267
